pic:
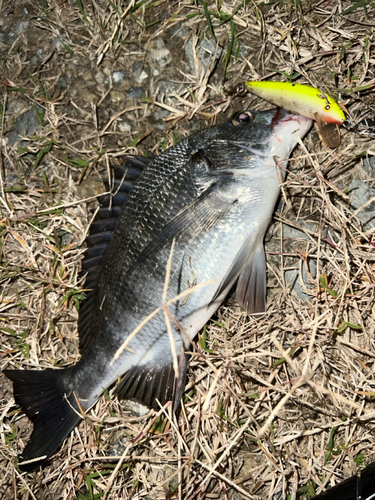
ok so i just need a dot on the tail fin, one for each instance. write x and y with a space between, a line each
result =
43 398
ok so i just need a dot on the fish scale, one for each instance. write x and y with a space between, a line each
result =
211 197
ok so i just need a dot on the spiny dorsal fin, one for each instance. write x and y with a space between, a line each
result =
101 229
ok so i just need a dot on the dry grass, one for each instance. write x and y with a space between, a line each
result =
273 404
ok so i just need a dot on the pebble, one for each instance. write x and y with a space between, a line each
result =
57 44
158 119
124 127
205 52
87 76
137 68
88 96
136 92
99 77
369 165
159 53
118 76
9 38
90 186
167 88
63 82
27 125
143 76
12 178
360 193
15 107
296 284
117 96
21 27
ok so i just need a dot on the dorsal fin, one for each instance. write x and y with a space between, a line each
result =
100 233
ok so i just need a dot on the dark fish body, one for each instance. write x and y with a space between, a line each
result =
358 487
206 203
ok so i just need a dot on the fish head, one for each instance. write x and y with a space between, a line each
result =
266 134
248 145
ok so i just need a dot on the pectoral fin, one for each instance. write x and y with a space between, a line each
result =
251 286
194 220
249 268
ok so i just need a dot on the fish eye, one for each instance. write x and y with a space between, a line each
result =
327 107
243 117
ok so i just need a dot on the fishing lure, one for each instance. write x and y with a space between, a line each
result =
306 101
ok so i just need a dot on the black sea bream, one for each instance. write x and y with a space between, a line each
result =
211 198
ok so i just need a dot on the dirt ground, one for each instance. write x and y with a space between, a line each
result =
279 406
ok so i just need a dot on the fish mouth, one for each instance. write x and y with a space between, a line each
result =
282 116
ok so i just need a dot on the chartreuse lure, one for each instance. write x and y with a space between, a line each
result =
306 101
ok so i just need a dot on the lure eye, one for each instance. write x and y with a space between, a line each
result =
244 117
327 107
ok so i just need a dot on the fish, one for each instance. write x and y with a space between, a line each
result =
307 101
200 209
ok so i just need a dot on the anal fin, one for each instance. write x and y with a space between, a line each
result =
150 383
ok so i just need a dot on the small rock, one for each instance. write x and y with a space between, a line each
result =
15 107
117 443
369 165
296 284
99 77
360 194
167 88
124 127
158 119
27 125
63 83
12 178
137 68
179 30
87 76
138 72
143 76
21 27
118 76
10 37
91 186
71 346
137 408
205 52
41 54
159 53
57 44
134 92
88 96
117 96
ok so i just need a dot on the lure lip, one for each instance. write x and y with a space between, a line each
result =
301 99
